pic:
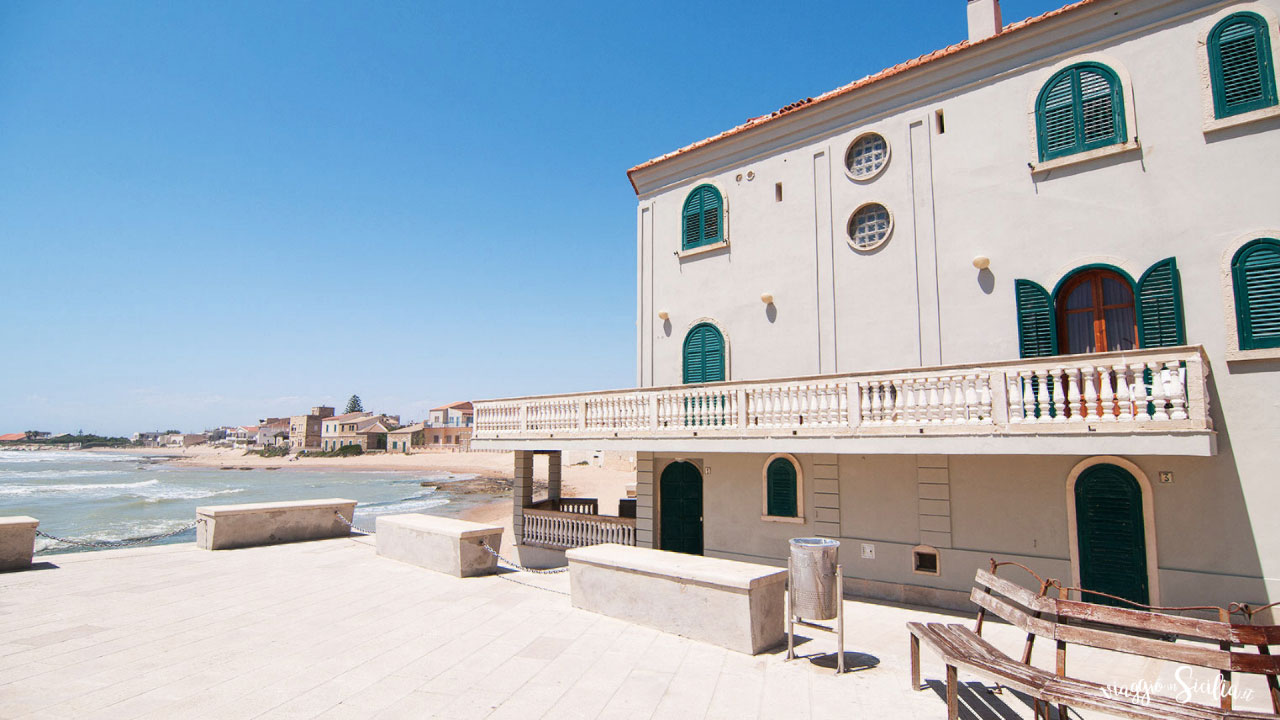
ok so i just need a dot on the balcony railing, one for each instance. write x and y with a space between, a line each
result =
565 530
1157 390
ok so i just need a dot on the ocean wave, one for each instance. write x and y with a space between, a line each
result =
45 456
187 493
21 490
38 474
116 531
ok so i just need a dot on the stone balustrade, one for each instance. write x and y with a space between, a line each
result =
222 527
1160 390
557 530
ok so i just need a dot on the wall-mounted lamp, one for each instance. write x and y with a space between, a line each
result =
766 298
662 315
982 262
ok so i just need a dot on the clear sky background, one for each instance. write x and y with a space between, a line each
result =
213 212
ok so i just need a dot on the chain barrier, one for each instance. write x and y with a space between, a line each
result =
351 524
123 542
518 566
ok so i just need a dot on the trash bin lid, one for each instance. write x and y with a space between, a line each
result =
813 542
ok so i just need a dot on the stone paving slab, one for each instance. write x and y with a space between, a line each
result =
328 629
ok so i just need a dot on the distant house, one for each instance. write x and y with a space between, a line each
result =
244 436
367 430
459 414
305 431
408 438
13 437
272 432
185 439
149 439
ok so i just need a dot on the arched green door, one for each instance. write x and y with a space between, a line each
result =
704 354
681 497
1111 535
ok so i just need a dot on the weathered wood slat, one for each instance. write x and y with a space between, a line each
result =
1012 614
1016 593
1144 620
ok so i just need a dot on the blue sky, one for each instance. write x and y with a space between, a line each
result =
212 212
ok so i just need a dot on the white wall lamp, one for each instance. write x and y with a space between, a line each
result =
662 315
766 298
982 262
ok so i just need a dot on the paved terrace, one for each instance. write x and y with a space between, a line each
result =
328 629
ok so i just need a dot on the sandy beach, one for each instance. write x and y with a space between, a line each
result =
580 477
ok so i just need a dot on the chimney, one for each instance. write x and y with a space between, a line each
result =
984 19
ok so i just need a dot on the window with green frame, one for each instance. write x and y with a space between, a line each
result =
781 489
1080 108
1255 274
703 218
1240 65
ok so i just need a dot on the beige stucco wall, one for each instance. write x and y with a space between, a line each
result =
1006 507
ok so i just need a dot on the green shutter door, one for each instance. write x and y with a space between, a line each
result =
1256 272
780 488
1111 535
1037 334
1240 65
680 497
704 355
1160 321
692 220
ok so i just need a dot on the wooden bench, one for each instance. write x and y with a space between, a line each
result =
1067 622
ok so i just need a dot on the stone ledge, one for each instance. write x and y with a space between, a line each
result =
17 541
224 527
442 544
715 572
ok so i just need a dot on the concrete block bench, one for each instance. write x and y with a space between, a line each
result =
222 527
438 543
17 541
732 604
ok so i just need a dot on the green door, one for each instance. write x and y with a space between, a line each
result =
704 354
681 497
1111 535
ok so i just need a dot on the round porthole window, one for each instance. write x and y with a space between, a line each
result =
869 226
867 156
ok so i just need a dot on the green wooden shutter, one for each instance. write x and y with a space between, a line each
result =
702 218
780 489
1081 108
1037 333
1255 272
1160 322
704 355
1240 65
1111 535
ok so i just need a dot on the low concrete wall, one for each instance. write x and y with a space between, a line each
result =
222 527
438 543
17 541
732 604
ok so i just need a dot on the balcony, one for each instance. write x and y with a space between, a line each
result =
566 523
1140 402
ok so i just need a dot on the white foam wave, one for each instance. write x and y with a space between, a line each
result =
38 474
187 493
22 490
45 456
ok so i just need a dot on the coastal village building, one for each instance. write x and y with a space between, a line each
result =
305 430
273 432
459 414
1016 298
185 439
367 430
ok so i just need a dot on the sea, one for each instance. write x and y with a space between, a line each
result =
89 496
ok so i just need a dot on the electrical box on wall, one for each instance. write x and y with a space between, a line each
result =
868 551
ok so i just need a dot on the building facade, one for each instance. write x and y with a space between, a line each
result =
972 306
305 431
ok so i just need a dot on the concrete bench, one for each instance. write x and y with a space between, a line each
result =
222 527
439 543
732 604
17 541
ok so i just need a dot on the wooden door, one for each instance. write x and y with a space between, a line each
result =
1111 535
680 493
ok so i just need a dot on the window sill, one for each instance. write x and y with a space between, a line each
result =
1241 119
1086 156
1259 354
702 249
782 519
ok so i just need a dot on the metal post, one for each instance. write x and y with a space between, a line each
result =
840 620
791 620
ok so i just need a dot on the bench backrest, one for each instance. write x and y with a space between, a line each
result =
1132 631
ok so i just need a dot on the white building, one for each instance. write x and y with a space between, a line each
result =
1018 298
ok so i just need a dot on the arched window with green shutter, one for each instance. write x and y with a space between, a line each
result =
1160 322
1080 108
1240 65
704 354
782 488
1255 273
703 217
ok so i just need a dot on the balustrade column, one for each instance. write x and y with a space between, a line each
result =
1016 412
1107 396
1177 391
1090 395
1158 413
1141 411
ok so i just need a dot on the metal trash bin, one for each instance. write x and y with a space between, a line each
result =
815 591
815 587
